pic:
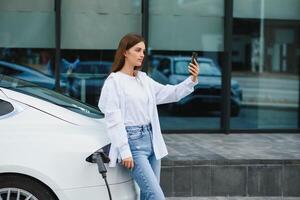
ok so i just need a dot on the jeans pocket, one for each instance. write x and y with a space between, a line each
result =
134 135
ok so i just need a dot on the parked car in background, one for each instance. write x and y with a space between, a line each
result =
87 80
93 67
207 93
45 140
28 74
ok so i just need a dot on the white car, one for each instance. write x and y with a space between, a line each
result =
45 138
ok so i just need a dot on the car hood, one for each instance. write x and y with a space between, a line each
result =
52 109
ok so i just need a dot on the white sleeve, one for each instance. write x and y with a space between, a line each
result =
172 93
109 104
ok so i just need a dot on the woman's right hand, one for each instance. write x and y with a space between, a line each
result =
128 162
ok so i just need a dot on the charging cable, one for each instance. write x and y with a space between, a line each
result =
99 158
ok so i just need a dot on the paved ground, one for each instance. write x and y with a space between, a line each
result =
250 164
233 146
233 198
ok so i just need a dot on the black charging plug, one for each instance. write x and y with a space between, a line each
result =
99 160
100 157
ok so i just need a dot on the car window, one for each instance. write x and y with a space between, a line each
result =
50 96
5 107
209 70
155 62
181 67
9 71
206 68
164 64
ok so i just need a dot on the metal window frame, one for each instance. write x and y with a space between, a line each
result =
227 62
57 43
226 73
145 29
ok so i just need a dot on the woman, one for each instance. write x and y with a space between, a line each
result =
128 99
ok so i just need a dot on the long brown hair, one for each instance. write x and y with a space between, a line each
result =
126 43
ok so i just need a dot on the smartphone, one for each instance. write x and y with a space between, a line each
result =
194 56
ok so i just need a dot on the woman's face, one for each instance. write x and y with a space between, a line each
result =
135 55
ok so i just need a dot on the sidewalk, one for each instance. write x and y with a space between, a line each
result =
233 198
237 165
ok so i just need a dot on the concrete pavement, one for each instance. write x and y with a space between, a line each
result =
235 166
233 198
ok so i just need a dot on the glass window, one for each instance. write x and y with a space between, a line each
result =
265 62
27 40
164 64
6 70
91 31
5 107
93 67
98 24
176 29
207 68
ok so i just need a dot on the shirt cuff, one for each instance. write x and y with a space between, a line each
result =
190 82
125 151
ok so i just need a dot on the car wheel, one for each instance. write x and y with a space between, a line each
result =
235 111
14 186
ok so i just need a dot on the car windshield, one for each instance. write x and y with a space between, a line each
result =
50 96
206 68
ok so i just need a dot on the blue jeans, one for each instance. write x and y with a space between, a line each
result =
146 171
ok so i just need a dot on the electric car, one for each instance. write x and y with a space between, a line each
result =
46 138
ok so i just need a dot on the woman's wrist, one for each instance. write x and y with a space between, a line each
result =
195 79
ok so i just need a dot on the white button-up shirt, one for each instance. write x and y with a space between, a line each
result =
113 103
136 99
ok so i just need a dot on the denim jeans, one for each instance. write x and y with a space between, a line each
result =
146 171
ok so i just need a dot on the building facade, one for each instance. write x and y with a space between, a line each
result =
249 54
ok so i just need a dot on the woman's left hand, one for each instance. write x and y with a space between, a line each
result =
194 70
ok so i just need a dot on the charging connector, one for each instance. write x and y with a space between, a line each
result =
102 169
99 157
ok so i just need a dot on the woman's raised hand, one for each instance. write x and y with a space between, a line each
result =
194 70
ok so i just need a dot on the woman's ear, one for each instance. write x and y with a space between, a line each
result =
125 53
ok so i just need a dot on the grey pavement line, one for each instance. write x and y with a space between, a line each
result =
270 104
233 198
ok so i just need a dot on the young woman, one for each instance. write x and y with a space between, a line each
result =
129 100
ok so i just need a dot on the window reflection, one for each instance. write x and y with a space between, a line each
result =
265 61
28 64
176 29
